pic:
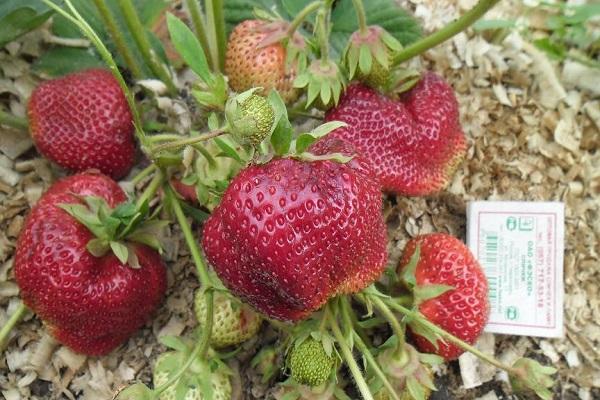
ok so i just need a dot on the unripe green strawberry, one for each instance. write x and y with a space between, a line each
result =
309 363
167 363
250 118
233 321
377 77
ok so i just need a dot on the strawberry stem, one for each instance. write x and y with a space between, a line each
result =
10 324
322 31
361 16
306 11
151 189
201 347
396 327
139 35
187 141
13 121
215 22
109 20
362 385
445 33
189 239
451 338
376 368
196 16
142 174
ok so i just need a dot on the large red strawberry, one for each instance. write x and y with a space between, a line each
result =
248 64
91 304
290 234
414 144
83 121
463 310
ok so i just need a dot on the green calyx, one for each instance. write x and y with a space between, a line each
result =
251 117
310 364
411 376
323 82
204 379
115 228
369 54
528 377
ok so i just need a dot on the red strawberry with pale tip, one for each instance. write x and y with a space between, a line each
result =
250 63
414 144
463 308
83 121
89 303
290 234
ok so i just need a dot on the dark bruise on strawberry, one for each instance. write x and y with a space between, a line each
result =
248 66
91 304
83 121
462 311
415 144
290 234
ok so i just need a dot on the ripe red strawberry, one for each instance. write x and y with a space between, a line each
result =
414 144
290 234
247 65
462 311
83 121
91 304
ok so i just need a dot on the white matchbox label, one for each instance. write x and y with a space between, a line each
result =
520 246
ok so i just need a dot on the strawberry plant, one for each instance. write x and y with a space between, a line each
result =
282 218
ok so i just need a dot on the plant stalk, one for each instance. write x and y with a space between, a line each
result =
362 347
187 141
197 18
322 32
151 189
142 174
201 347
451 338
445 33
189 239
362 385
109 20
215 22
10 324
306 11
361 16
13 121
392 320
139 34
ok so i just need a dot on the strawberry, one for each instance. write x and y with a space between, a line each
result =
83 121
309 363
290 234
89 303
414 144
249 64
233 321
463 307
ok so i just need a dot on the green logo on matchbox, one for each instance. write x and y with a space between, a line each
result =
511 223
512 313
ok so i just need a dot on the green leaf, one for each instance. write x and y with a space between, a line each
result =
385 13
188 47
281 137
408 273
427 292
327 128
175 343
236 11
137 391
228 149
59 61
97 247
18 17
554 50
196 214
303 142
120 250
416 390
